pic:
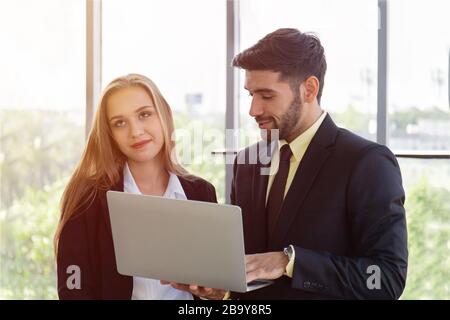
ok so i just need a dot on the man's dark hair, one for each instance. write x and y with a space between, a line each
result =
294 54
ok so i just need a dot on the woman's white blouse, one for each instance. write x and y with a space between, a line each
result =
151 289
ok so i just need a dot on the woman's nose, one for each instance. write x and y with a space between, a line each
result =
136 130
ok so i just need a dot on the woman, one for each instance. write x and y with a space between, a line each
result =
129 149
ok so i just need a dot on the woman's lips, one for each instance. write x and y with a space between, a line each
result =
140 145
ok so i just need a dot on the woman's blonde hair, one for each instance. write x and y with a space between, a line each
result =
102 162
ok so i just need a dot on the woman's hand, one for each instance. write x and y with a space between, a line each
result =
202 292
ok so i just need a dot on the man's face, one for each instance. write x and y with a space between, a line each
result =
274 105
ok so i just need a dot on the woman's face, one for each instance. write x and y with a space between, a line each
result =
135 124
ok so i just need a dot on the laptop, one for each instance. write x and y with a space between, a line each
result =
183 241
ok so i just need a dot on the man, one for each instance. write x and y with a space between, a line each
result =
330 223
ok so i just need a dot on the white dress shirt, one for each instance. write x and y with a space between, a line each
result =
151 289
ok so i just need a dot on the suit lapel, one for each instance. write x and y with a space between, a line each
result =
313 160
260 178
104 204
304 177
189 190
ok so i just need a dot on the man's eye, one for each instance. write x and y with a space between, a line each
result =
267 97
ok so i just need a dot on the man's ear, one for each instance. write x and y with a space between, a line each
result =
310 89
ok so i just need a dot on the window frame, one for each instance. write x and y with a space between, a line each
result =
94 71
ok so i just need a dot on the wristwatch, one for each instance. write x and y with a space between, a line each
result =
289 252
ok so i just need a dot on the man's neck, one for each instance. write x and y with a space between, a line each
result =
306 122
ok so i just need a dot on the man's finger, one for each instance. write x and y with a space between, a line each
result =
251 267
252 264
249 258
256 274
250 277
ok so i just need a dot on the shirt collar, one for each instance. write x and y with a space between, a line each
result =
174 188
129 185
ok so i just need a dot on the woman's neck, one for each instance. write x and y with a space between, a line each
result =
151 177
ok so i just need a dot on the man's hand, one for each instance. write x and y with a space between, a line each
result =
270 265
208 293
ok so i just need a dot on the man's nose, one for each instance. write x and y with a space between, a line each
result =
255 109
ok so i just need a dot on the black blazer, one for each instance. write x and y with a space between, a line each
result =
343 212
86 241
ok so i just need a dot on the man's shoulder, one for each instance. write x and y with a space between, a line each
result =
352 145
346 141
250 148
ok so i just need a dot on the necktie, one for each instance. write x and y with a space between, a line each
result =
276 194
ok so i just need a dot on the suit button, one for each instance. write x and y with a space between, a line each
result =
306 284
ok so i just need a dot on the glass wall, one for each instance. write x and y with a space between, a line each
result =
181 46
42 110
418 106
419 49
348 32
427 186
419 122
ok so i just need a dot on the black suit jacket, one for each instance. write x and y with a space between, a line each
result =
86 241
343 213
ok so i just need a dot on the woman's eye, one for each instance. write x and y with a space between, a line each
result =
119 123
145 114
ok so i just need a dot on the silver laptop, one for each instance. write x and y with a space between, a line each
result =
184 241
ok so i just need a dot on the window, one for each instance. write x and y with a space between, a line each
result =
348 32
427 186
182 46
419 117
42 109
418 106
183 52
419 122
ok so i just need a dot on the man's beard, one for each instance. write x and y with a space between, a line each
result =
287 123
289 120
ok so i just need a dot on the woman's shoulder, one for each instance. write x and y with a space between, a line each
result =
194 180
197 188
90 205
